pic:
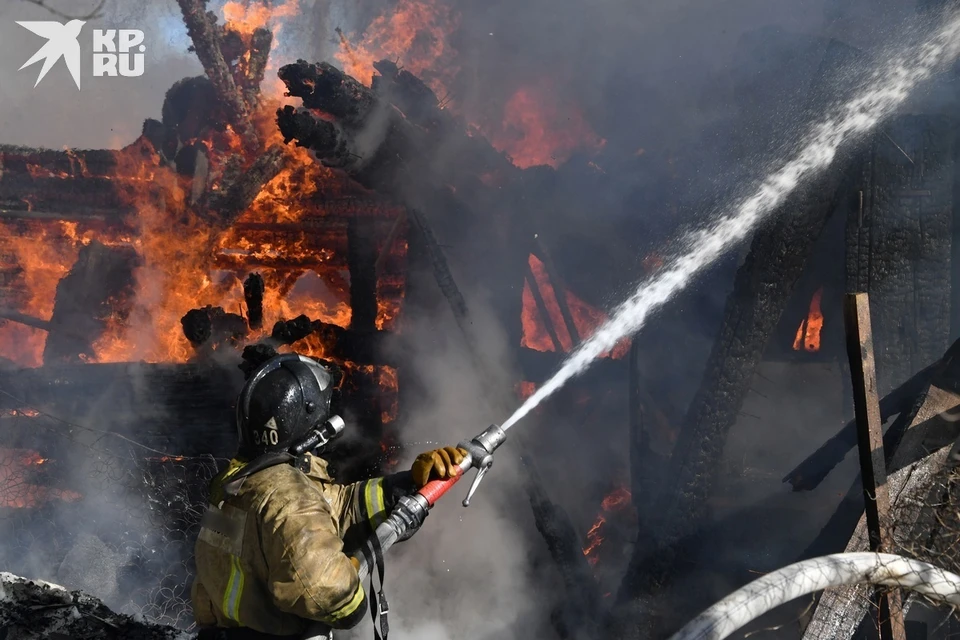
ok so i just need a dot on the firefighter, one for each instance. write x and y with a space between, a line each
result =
270 556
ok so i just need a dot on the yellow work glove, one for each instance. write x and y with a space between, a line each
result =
436 465
355 563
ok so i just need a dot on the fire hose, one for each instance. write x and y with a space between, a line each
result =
410 511
407 516
809 576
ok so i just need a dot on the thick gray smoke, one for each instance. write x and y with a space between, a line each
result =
661 82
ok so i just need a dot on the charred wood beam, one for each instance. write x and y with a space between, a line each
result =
409 93
241 186
404 152
441 271
916 433
211 326
329 260
201 27
362 264
61 163
256 64
545 320
559 288
149 403
583 606
811 472
873 471
24 319
388 243
899 238
98 289
761 289
913 491
362 348
253 290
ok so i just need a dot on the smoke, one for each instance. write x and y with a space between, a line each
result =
666 84
467 572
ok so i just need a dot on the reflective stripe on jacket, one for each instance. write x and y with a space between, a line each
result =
272 558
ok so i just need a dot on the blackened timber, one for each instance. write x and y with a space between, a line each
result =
915 481
63 163
201 27
180 409
762 286
362 261
441 270
899 237
545 319
256 64
389 242
810 473
559 289
873 470
98 288
911 436
583 606
241 186
253 290
404 152
366 347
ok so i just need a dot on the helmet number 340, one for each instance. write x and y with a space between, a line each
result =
268 436
265 437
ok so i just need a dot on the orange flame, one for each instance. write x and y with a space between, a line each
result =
416 33
16 489
586 318
538 129
615 501
246 17
808 333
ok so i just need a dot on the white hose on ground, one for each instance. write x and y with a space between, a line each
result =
809 576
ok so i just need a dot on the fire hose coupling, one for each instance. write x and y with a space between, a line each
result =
480 450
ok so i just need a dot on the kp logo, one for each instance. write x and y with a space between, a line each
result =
115 51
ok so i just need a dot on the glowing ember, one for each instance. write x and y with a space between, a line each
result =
615 501
16 489
416 34
539 129
585 317
525 389
808 333
388 400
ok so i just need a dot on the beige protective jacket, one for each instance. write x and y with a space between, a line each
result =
271 557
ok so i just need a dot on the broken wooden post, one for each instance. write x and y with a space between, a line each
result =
542 310
559 290
873 469
361 263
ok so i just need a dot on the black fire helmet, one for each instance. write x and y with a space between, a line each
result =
283 401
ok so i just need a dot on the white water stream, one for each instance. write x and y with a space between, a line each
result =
886 90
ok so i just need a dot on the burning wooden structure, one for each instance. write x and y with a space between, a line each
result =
135 278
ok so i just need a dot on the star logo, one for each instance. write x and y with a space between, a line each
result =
61 43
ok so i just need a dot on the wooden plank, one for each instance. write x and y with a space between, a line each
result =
542 310
840 611
559 290
870 446
362 264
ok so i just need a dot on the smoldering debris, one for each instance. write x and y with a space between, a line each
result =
37 610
